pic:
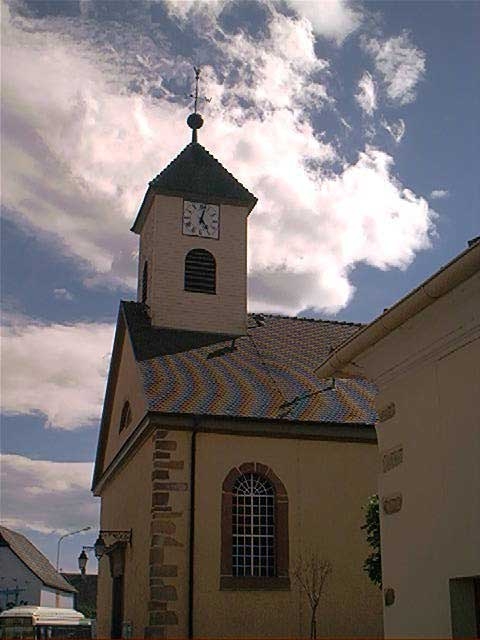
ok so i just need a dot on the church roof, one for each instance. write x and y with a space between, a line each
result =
196 174
34 559
266 374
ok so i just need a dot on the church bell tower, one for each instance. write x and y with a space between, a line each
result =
192 272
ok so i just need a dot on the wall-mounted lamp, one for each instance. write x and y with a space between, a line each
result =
101 547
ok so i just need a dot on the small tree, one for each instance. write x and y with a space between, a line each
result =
373 563
311 573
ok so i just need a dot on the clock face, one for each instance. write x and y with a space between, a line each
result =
201 219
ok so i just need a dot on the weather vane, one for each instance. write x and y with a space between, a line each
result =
195 120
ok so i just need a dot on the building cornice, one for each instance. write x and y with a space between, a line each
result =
236 426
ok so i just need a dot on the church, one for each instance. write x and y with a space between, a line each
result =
223 462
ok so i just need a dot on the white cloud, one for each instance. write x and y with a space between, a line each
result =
438 194
332 19
80 155
82 149
323 227
184 9
46 496
366 96
63 294
335 20
395 129
56 370
401 65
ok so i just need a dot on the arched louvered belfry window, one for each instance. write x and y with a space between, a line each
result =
145 282
200 271
126 417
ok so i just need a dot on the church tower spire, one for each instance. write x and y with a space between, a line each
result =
192 223
195 120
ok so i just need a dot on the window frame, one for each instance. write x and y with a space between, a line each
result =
281 580
253 527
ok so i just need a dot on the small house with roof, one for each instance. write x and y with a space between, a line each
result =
222 459
27 577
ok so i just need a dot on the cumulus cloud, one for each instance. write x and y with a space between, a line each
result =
46 496
439 194
366 96
55 370
88 123
400 64
364 214
332 19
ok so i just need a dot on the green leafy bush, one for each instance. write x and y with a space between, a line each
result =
373 563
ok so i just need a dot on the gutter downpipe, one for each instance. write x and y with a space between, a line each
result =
191 572
457 271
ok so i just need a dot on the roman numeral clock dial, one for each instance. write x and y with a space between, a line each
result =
200 219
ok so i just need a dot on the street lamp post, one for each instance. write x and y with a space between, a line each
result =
83 559
65 535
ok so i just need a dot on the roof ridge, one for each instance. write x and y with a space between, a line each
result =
303 318
141 305
152 181
224 168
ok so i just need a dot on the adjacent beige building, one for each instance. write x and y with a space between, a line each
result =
222 458
424 355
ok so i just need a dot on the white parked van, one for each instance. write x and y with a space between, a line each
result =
43 623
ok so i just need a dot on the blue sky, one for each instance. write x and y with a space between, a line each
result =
355 124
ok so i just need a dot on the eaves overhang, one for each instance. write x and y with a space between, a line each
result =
187 195
341 362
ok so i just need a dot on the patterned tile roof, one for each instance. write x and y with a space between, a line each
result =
34 559
269 373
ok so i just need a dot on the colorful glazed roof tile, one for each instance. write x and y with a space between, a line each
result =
268 373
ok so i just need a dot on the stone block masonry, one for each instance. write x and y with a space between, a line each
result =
163 596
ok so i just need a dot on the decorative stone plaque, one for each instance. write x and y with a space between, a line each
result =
392 504
392 458
387 412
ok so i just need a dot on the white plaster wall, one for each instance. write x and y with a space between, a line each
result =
430 369
14 573
52 598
